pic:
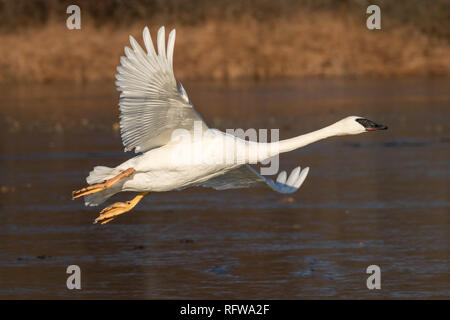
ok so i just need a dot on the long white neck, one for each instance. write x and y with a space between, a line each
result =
266 150
308 138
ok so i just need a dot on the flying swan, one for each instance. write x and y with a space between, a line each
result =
158 121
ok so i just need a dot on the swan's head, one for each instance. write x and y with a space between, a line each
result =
356 125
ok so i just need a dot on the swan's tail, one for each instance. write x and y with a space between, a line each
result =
98 175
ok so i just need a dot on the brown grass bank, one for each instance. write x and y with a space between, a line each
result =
307 43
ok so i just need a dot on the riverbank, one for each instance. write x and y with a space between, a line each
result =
307 44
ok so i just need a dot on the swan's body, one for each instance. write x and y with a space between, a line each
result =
159 121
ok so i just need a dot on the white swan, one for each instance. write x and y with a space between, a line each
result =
157 117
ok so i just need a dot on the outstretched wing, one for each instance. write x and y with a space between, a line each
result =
152 103
246 177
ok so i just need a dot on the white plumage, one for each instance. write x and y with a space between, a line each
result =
156 117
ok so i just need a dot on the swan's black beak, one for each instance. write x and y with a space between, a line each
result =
370 125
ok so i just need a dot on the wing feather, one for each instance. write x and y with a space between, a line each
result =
162 44
149 43
152 102
171 47
246 177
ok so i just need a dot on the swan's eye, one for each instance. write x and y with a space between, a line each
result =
365 122
370 125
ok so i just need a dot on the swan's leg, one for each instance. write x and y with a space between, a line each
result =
102 186
111 212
